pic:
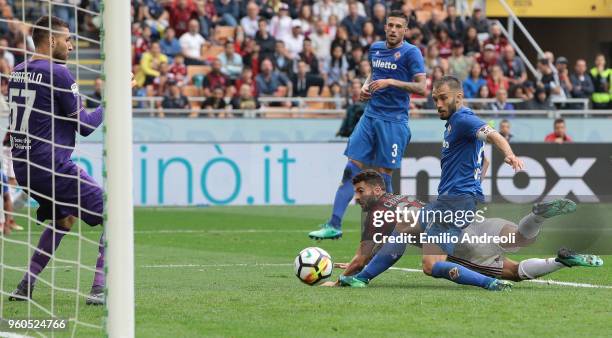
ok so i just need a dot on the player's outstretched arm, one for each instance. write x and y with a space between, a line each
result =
361 258
490 135
417 86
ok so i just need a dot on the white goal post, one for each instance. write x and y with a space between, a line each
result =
116 39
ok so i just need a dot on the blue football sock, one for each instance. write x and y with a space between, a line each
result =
388 185
383 260
460 274
344 194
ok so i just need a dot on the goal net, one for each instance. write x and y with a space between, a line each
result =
66 243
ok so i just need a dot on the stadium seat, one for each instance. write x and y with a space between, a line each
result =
197 70
224 33
212 52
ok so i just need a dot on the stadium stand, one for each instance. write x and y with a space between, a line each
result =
451 35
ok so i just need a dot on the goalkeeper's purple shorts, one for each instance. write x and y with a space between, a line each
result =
82 198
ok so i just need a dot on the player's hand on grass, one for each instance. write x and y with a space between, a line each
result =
380 84
330 284
364 94
341 265
515 162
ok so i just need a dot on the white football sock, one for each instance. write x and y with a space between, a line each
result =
530 225
533 268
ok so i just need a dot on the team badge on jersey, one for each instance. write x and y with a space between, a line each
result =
397 55
377 52
453 273
449 129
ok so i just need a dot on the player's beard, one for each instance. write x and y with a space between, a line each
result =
60 57
450 109
367 202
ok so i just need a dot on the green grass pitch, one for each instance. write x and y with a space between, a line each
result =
227 271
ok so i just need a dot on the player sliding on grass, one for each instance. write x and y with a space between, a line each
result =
483 258
380 137
46 114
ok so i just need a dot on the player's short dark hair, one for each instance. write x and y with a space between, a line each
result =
397 14
558 121
371 178
452 82
40 33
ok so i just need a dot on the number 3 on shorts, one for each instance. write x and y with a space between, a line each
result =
394 151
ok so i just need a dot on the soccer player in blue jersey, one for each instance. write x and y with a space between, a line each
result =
46 114
459 189
382 134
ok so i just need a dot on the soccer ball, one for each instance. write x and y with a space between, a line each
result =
313 265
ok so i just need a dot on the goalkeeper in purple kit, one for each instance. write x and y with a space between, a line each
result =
46 114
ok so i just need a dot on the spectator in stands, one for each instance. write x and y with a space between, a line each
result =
142 35
455 25
159 85
564 78
307 55
174 99
266 42
487 59
416 38
501 101
321 42
207 17
353 21
245 99
504 130
459 64
433 25
150 64
354 110
432 58
271 82
337 68
304 79
473 83
445 44
363 71
6 54
379 19
191 44
228 11
231 62
518 92
283 59
170 45
512 67
549 80
471 43
368 37
496 80
180 13
214 79
215 102
95 98
280 25
559 135
601 76
326 8
342 39
540 101
306 19
479 21
496 39
178 69
354 59
246 77
582 85
295 41
250 23
483 93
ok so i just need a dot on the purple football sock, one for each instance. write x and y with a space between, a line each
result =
99 275
46 247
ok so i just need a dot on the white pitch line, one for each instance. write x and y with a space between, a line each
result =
12 335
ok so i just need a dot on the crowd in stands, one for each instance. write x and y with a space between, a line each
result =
228 54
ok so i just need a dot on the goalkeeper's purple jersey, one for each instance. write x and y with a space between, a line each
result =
44 102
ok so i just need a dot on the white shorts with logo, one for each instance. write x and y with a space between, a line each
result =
485 258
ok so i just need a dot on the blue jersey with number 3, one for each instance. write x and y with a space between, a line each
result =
462 155
401 63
